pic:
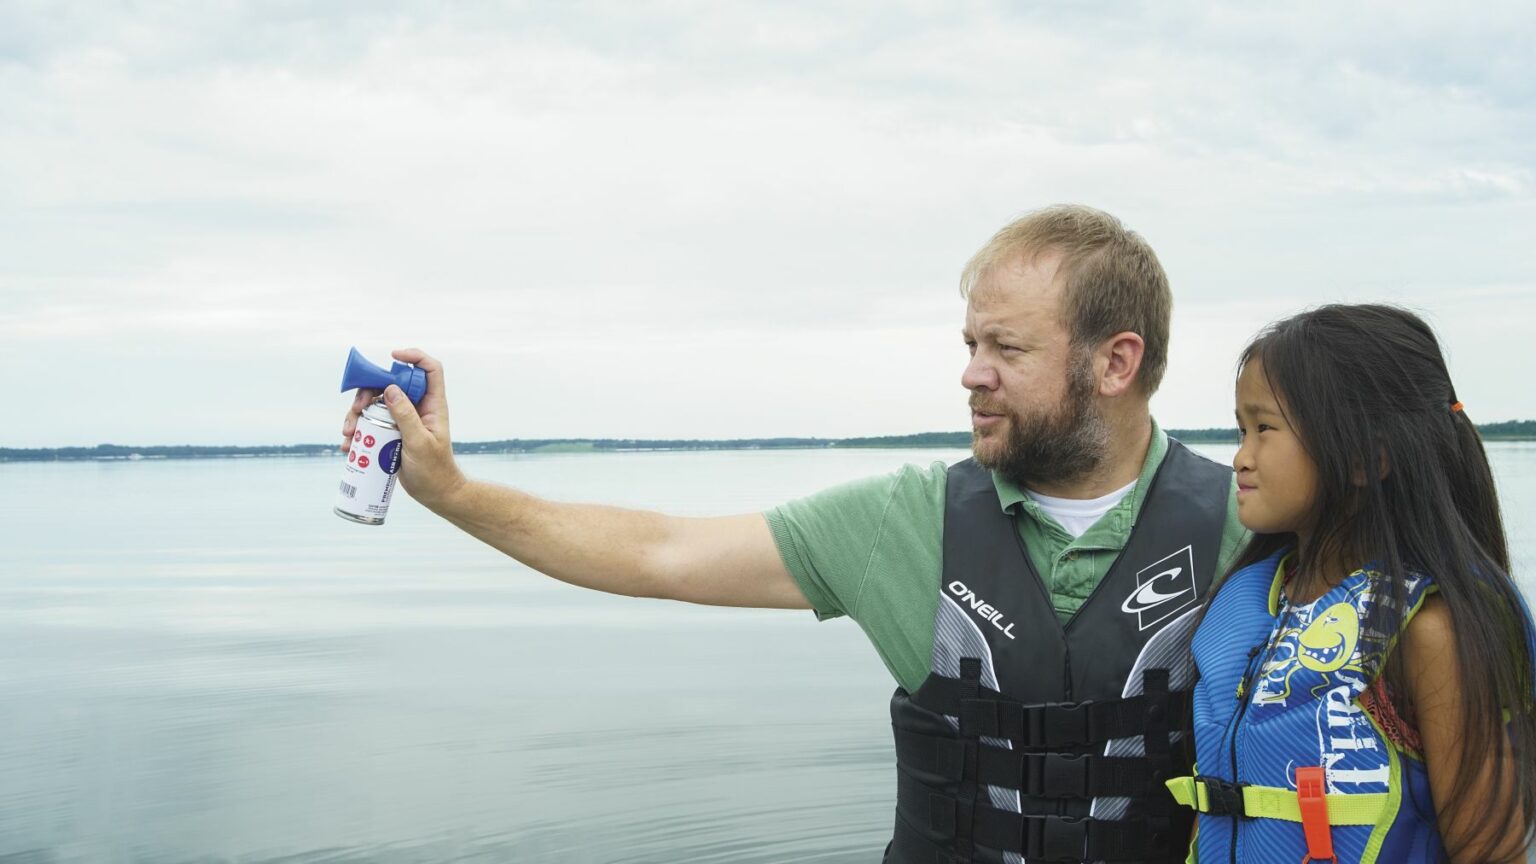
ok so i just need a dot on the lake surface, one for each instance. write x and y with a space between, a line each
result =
200 663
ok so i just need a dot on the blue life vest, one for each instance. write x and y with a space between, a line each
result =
1285 709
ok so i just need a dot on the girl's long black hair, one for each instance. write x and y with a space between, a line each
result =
1404 483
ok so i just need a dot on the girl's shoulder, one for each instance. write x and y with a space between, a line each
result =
1429 657
1430 637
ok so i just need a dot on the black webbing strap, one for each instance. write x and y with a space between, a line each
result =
1157 741
909 846
1045 724
1051 775
1060 724
965 803
1045 838
1156 719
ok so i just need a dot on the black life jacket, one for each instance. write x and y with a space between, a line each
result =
1032 740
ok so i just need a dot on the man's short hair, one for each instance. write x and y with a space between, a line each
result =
1112 281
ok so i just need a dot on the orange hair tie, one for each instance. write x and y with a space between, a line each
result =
1455 407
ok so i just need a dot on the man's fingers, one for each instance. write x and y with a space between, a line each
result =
404 413
428 364
348 426
362 400
417 357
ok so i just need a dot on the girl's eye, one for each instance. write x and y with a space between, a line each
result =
1265 427
1241 432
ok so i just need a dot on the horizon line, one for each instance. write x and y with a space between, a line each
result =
1506 430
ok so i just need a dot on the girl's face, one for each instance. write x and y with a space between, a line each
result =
1276 479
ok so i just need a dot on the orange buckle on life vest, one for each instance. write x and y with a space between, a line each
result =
1310 789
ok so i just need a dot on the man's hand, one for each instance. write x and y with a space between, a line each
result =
427 469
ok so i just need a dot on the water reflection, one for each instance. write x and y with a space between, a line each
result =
182 683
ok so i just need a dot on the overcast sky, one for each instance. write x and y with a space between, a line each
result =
683 219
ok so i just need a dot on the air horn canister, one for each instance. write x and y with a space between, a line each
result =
374 457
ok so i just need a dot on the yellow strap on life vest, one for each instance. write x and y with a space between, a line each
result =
1272 802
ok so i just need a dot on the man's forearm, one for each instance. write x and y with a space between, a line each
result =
598 547
727 561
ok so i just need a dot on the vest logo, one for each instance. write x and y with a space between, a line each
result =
987 611
1163 589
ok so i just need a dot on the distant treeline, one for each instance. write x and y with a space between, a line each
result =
1511 430
178 451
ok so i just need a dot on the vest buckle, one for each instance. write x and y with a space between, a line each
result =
1058 723
1065 775
1222 798
1056 838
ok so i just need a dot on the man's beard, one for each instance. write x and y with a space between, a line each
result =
1050 448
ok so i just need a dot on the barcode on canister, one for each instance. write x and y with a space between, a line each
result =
348 489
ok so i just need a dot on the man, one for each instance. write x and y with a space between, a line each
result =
1032 603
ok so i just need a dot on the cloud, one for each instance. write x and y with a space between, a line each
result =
564 177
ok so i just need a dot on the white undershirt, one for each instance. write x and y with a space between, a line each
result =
1077 514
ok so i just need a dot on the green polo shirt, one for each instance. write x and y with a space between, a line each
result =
873 550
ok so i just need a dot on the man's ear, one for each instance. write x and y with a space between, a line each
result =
1117 362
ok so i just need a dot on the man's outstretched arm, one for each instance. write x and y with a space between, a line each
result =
722 561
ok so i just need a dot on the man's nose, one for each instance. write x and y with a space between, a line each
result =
979 374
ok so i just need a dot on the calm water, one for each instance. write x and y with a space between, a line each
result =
199 663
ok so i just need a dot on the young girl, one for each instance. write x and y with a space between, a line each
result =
1365 687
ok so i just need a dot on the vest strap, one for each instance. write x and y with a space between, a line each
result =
1061 724
1157 722
1045 838
1049 775
965 803
911 844
1213 795
1052 724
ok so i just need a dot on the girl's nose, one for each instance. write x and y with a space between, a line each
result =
1242 460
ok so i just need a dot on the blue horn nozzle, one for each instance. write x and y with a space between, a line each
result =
361 373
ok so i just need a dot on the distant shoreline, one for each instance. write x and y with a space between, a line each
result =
1512 430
